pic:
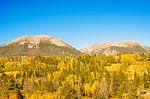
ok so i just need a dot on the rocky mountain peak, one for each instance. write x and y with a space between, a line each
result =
115 47
35 40
37 45
128 43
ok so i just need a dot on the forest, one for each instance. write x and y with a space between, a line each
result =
121 76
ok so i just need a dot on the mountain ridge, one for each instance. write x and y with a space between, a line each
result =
111 48
37 45
50 45
37 39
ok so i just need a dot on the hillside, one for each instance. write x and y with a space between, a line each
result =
37 45
122 76
112 48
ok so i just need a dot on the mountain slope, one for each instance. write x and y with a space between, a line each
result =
37 45
112 48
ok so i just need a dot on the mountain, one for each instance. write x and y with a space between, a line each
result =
37 45
112 48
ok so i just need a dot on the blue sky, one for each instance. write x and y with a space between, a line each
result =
78 22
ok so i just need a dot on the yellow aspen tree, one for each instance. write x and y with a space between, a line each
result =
72 79
94 87
87 89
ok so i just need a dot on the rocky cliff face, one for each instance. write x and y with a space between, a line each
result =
111 48
37 45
